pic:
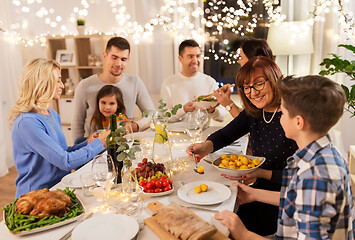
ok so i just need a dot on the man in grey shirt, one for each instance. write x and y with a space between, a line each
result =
116 57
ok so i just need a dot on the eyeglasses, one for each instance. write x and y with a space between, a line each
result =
258 86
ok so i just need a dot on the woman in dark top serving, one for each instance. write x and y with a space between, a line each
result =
256 82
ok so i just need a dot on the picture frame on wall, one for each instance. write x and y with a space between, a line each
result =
65 57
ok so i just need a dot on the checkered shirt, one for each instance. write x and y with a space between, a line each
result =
316 198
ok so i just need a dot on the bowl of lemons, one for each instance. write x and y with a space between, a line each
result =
237 165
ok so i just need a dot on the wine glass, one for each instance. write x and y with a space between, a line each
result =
129 134
103 172
193 125
203 116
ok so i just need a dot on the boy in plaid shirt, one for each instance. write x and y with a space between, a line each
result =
316 200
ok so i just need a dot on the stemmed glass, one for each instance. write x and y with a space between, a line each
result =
195 122
103 172
129 134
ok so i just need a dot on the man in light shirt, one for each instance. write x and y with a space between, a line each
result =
183 87
116 57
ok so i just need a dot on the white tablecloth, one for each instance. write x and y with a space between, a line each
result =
178 150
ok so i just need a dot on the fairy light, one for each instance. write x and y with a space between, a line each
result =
240 20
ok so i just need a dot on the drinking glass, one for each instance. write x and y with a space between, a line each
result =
103 173
129 134
192 125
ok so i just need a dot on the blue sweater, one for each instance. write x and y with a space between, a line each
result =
42 156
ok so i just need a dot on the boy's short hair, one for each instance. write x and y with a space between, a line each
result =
118 42
187 43
319 100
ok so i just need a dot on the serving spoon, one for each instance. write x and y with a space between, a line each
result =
195 160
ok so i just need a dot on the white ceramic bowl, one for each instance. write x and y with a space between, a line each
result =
205 104
158 194
237 172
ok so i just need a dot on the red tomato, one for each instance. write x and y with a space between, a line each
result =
170 181
145 160
158 184
158 190
166 182
143 183
150 191
150 185
167 188
162 178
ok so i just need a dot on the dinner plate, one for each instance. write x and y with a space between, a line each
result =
48 227
72 180
216 193
108 226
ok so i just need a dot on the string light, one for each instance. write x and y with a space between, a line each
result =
179 17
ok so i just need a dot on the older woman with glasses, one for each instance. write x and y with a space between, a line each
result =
256 81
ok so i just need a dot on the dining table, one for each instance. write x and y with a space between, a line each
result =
179 143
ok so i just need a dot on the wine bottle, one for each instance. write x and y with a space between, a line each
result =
112 147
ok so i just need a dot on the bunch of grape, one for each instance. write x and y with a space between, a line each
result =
147 170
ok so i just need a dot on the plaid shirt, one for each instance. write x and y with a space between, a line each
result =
316 198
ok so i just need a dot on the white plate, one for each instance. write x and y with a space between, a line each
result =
108 226
216 193
72 180
158 194
205 104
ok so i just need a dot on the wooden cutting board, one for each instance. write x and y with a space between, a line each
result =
164 234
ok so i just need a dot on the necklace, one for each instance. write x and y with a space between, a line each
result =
273 115
51 121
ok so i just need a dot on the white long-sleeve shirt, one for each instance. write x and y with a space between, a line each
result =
178 89
133 91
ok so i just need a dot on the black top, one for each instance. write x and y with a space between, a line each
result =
267 140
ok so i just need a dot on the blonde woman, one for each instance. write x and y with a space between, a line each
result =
42 156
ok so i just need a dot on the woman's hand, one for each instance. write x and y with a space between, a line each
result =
233 223
252 176
200 149
223 96
246 194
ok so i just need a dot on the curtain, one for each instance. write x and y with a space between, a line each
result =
327 36
10 68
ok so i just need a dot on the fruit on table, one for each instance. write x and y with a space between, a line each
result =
200 169
152 177
201 188
238 162
161 135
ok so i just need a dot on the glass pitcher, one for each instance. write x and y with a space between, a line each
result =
161 143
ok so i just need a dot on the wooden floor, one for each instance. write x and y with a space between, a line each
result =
7 188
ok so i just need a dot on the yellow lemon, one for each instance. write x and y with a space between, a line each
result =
256 162
243 167
203 187
252 165
200 169
197 189
241 156
224 156
239 163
